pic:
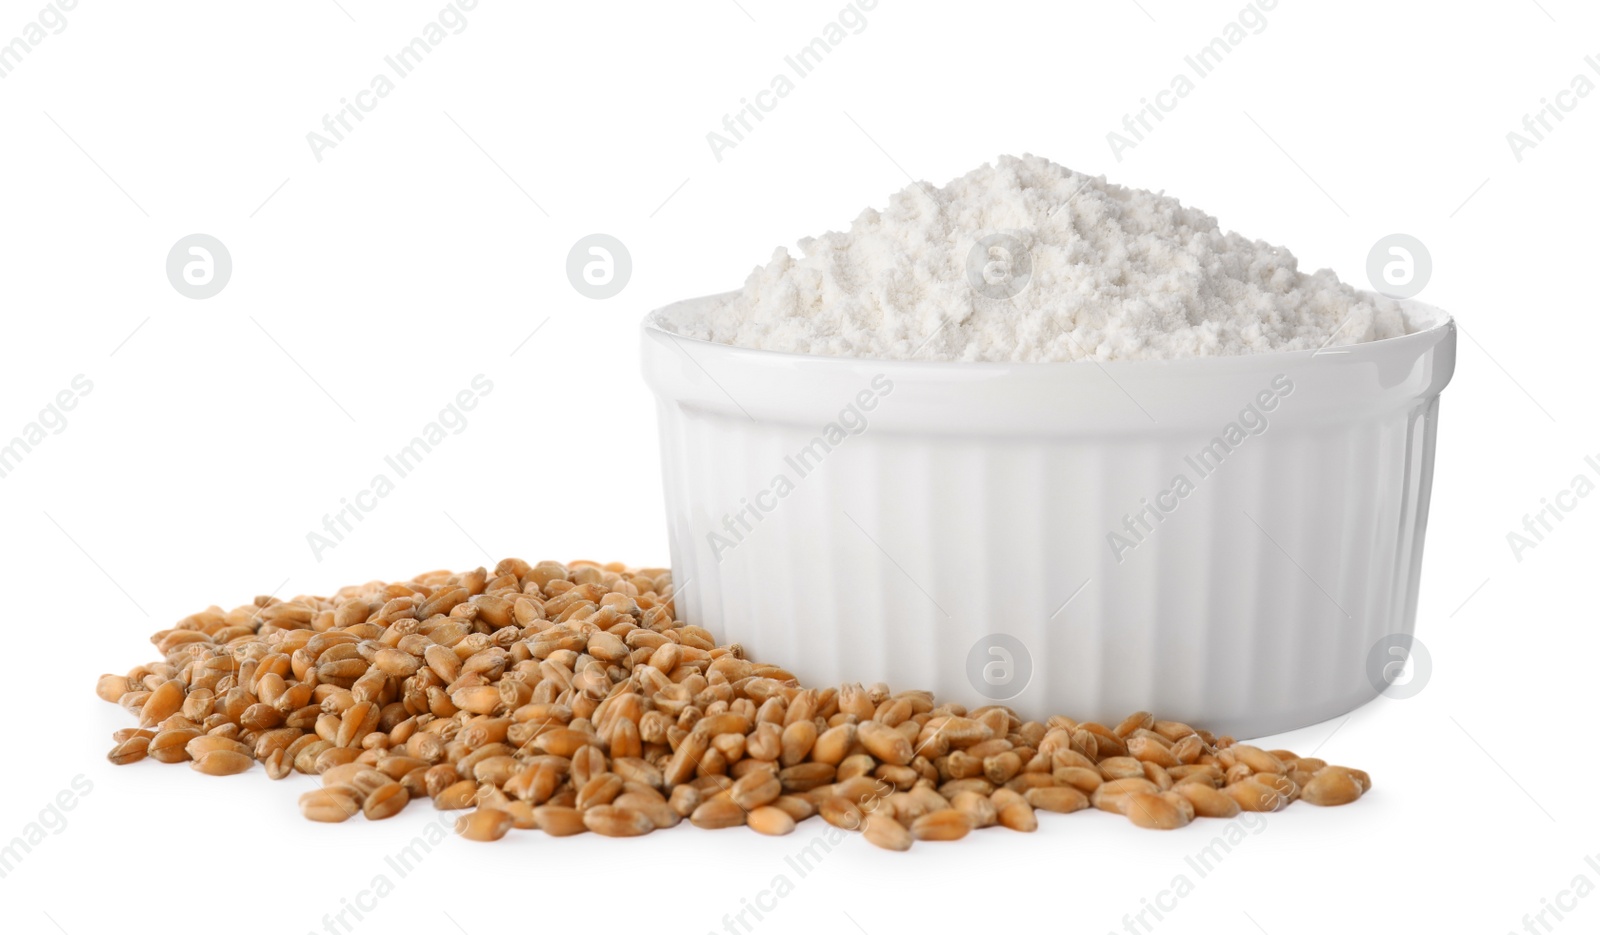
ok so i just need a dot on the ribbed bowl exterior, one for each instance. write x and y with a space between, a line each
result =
1019 534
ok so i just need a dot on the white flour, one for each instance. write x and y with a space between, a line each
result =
1116 274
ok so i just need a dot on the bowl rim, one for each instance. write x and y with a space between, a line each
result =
1433 323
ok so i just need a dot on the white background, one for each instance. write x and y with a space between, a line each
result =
370 287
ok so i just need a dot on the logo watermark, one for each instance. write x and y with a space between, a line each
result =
599 266
1399 666
199 266
999 666
1399 266
999 266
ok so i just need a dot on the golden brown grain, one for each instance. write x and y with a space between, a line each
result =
1360 776
112 687
1254 796
599 790
1259 760
615 821
462 794
769 819
1332 786
885 743
169 746
162 703
222 763
571 697
332 805
841 812
755 789
883 831
1013 811
684 800
559 821
1062 799
484 824
718 813
1208 801
128 751
946 824
1154 811
656 809
385 801
1109 797
201 744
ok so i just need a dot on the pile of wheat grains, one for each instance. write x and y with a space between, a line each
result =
569 698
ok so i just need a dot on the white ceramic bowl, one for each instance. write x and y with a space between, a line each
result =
970 528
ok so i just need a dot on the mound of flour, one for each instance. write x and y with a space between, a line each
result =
1026 260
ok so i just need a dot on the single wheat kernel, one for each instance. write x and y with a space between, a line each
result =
111 687
1359 776
1259 760
462 794
656 809
1149 810
885 743
128 751
599 790
1109 797
484 824
1208 801
1254 796
168 746
883 831
769 819
841 812
1332 786
559 821
385 801
165 701
1063 799
1018 816
331 805
755 789
615 821
718 813
946 824
222 763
